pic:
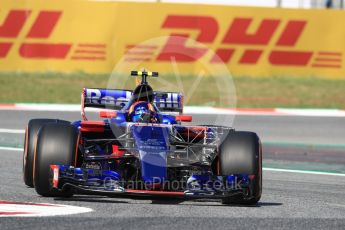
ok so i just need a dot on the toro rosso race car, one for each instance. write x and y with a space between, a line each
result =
141 147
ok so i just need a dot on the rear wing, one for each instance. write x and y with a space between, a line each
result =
105 98
117 98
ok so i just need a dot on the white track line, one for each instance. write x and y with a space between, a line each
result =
12 131
11 148
265 169
304 172
190 110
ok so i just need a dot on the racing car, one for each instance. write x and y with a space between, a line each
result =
141 146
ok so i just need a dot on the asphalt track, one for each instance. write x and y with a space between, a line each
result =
289 201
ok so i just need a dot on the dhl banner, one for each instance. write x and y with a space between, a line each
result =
94 36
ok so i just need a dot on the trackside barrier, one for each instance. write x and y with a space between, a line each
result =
92 36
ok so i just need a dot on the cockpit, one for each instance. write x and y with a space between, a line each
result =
143 112
141 107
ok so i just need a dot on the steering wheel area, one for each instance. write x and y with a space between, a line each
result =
142 112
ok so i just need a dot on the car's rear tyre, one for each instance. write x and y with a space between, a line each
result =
31 132
57 144
240 153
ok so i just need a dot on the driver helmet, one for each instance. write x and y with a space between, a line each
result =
138 109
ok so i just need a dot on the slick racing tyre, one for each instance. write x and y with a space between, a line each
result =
31 132
57 144
240 153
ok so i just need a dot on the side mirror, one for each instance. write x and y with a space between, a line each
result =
183 118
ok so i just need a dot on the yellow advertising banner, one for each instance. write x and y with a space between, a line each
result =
99 37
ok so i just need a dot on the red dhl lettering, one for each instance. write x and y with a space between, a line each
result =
235 39
42 28
236 35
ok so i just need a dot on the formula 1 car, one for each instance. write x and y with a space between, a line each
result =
141 147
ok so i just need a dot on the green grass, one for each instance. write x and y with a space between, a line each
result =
289 92
46 87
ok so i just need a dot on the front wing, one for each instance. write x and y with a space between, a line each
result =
108 183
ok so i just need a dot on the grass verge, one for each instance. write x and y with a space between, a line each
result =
288 92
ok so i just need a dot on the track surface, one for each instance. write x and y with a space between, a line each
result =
289 201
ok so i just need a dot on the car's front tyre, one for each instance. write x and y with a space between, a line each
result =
31 132
57 144
241 153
